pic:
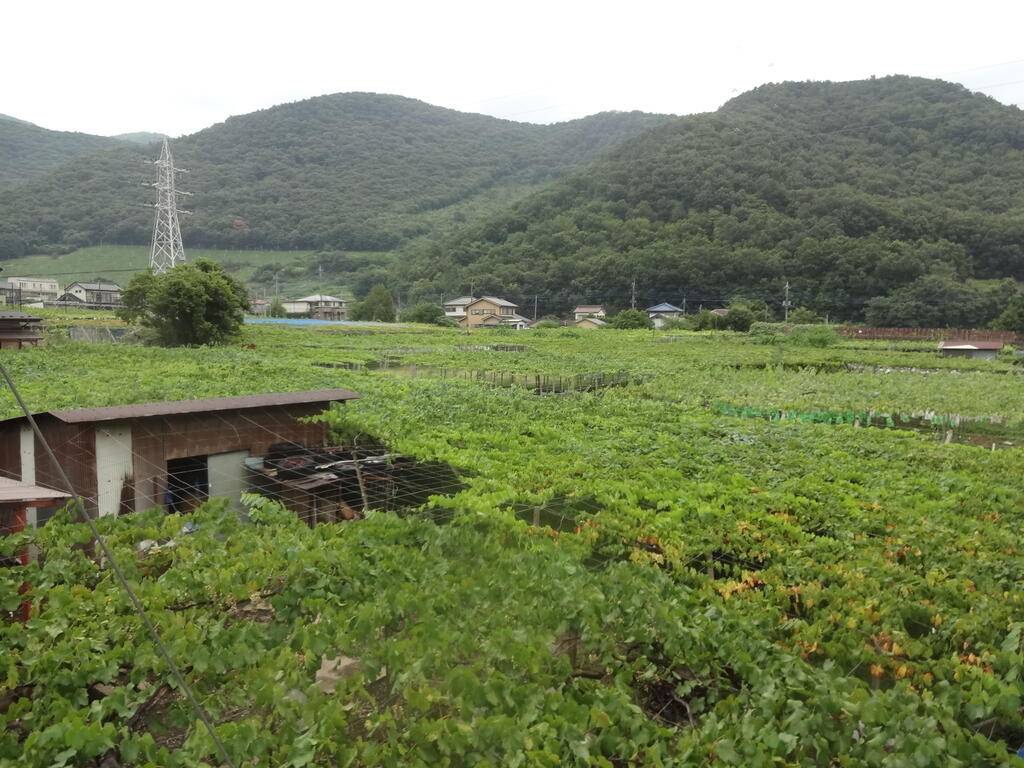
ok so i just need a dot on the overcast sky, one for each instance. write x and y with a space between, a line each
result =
109 67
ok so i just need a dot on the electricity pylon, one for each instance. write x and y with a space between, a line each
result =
167 251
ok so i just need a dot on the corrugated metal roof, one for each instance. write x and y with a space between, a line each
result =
317 297
12 315
208 405
459 301
997 345
15 491
663 307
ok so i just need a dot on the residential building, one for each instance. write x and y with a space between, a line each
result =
975 350
319 306
19 330
99 295
10 294
129 458
492 312
36 289
659 313
457 307
590 323
259 307
587 310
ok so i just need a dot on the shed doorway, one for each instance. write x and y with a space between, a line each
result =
188 483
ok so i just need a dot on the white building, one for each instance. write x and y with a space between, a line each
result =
319 305
457 307
34 289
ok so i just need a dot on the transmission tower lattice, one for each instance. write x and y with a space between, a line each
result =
167 251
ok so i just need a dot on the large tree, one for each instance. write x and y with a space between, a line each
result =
191 304
377 306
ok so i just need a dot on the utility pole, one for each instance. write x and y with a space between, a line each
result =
277 283
684 305
632 294
786 305
534 307
167 251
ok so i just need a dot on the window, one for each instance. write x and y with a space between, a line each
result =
507 310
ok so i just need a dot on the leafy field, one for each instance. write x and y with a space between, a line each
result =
703 588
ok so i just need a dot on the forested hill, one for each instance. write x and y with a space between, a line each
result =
355 171
899 187
26 150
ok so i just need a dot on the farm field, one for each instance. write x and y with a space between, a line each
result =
665 572
120 262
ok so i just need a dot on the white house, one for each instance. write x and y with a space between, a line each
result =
319 305
587 310
101 295
35 289
457 307
659 313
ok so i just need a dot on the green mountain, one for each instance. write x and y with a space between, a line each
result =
27 151
352 171
897 187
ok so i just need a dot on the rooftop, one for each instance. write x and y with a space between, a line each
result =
13 491
996 345
11 314
207 405
98 286
499 302
319 297
664 307
459 301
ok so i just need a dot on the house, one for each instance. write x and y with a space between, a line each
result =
975 350
19 330
319 306
259 307
10 294
128 458
659 313
492 312
457 307
587 310
98 295
36 289
590 322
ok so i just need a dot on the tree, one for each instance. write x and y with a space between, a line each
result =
1012 318
276 308
803 316
739 319
629 319
427 313
377 306
197 303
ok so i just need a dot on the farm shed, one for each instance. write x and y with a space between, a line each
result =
128 458
976 350
18 330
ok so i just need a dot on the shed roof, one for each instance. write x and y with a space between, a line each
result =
207 405
589 308
12 491
950 344
12 315
664 307
595 320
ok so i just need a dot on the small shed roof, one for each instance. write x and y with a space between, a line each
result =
14 491
594 320
664 307
23 317
207 405
996 345
589 308
720 312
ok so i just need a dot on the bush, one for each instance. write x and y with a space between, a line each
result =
546 324
629 319
812 336
426 313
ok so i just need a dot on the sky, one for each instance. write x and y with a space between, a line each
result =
108 67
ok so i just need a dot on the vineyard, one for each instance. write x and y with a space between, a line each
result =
660 572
